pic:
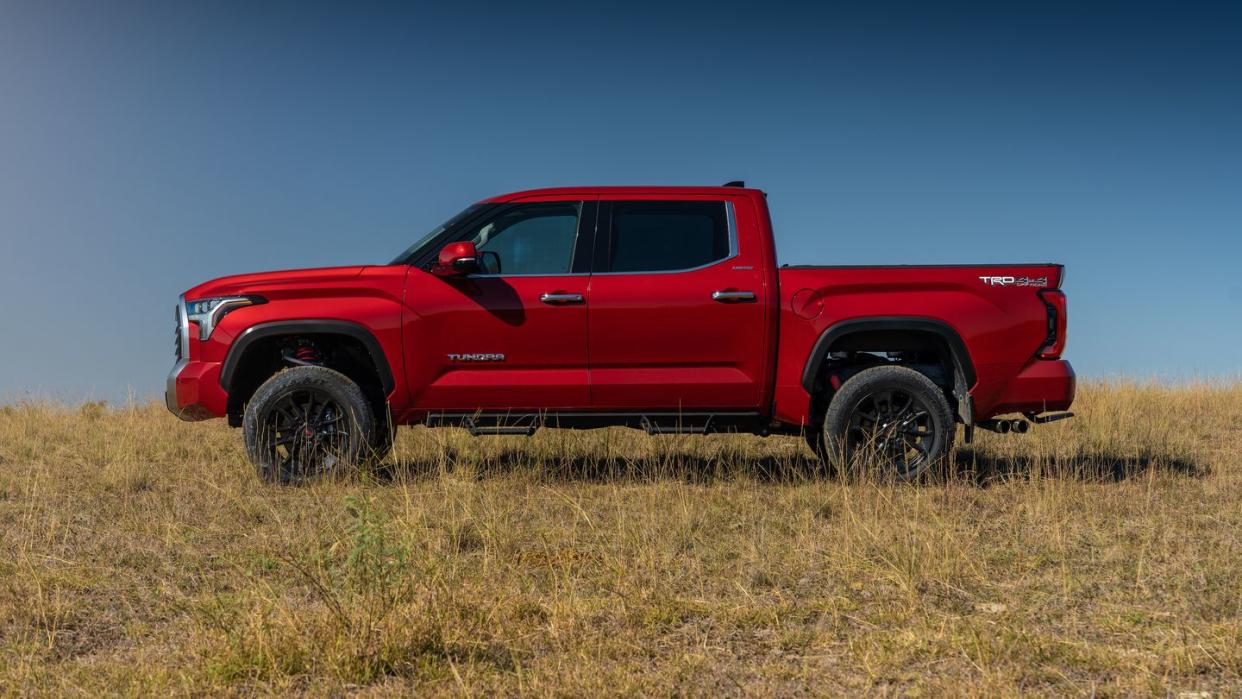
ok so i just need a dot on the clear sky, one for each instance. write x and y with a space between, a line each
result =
145 147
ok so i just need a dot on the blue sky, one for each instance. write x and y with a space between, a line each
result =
145 147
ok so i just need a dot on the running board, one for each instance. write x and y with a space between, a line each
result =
527 431
478 425
525 424
652 427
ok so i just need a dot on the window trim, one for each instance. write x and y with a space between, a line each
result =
730 222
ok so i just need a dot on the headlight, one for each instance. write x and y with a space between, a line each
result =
208 312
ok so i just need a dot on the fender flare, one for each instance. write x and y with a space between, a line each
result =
963 365
261 331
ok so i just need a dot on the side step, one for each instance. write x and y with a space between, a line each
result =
702 426
526 424
526 431
521 425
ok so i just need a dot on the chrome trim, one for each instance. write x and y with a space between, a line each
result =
730 217
183 321
170 387
561 298
726 296
183 340
227 303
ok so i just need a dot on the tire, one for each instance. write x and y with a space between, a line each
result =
307 421
891 420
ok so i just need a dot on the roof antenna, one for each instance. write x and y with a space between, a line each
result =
734 183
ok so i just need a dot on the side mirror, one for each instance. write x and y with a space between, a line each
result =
489 262
456 260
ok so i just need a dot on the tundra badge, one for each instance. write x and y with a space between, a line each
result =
477 357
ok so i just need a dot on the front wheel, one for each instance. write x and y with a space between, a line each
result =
891 419
307 421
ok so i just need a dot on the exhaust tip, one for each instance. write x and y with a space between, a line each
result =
1021 426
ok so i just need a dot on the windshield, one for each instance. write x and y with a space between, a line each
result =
419 247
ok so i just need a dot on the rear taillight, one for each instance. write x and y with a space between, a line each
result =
1054 343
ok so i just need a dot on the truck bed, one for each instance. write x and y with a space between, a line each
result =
996 310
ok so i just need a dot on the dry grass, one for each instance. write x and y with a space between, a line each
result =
1099 556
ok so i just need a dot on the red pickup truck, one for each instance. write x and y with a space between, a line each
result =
661 308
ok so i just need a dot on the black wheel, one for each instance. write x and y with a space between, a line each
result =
891 418
307 421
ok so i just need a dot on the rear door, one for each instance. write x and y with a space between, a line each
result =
676 307
514 338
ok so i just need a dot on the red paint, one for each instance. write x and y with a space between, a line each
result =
451 256
545 346
660 341
655 342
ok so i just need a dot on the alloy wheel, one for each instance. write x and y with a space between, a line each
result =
895 428
305 432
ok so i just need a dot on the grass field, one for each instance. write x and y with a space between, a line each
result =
1103 555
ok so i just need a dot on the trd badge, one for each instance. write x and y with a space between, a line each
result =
1015 281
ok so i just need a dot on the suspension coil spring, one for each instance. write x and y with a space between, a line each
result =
304 354
308 354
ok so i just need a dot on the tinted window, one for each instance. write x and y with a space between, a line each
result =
662 236
531 238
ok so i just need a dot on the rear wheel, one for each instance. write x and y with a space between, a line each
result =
307 421
890 420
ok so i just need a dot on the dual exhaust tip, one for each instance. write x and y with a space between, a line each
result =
1005 426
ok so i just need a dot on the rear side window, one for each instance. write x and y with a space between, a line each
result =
666 236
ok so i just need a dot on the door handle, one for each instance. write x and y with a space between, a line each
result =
560 299
733 296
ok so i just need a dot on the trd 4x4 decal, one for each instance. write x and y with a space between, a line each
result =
1015 281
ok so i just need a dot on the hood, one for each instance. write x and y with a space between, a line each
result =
273 281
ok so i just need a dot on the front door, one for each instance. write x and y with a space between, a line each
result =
677 308
513 337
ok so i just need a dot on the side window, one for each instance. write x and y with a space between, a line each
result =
665 236
530 238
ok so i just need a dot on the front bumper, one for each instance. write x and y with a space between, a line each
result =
193 391
170 387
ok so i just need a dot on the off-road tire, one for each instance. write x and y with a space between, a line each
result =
916 421
279 401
